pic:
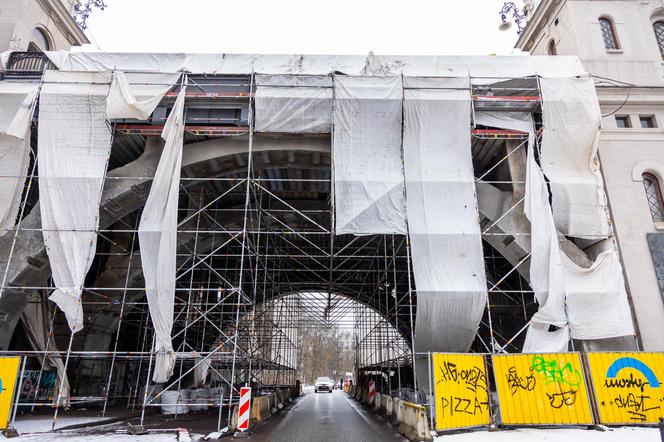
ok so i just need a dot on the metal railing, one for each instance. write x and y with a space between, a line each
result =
27 64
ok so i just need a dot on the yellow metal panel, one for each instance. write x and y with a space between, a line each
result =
8 373
629 387
460 389
536 389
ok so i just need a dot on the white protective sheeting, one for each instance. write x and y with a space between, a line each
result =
74 147
17 105
157 236
519 121
489 67
587 303
597 305
366 152
445 236
545 265
136 95
540 340
36 319
572 120
201 370
293 103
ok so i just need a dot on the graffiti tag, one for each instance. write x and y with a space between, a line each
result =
554 373
473 378
517 382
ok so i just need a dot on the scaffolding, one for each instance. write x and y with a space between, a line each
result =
258 259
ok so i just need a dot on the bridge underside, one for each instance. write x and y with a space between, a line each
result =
257 261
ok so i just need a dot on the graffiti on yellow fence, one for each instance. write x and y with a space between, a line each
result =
542 389
461 391
628 386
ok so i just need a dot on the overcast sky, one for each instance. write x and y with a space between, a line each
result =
406 27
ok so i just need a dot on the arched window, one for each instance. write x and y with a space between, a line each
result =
40 41
658 27
552 48
654 196
608 33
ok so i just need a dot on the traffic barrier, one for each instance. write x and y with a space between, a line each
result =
280 399
244 409
386 405
272 401
260 408
414 424
372 392
395 420
376 402
234 417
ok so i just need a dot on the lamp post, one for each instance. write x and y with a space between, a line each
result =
518 15
83 10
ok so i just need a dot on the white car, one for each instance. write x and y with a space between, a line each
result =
323 384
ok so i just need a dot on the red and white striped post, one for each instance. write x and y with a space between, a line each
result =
372 392
245 406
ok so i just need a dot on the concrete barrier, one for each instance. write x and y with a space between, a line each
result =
414 422
272 401
386 405
260 408
395 420
234 417
280 399
377 401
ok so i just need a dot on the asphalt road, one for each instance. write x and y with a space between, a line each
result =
325 417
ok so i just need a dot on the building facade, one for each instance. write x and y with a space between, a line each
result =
621 45
39 25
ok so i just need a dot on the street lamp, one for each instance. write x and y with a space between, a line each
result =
518 15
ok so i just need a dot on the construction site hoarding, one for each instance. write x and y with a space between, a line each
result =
628 387
542 389
8 374
460 391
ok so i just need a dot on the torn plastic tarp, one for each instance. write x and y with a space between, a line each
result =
136 95
17 105
488 67
587 303
572 120
366 152
36 319
519 121
201 370
157 236
540 340
293 104
597 305
444 230
74 148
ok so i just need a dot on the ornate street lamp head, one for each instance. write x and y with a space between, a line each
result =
518 15
83 10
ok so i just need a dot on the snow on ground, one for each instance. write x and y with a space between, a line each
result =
110 437
38 429
41 424
624 434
